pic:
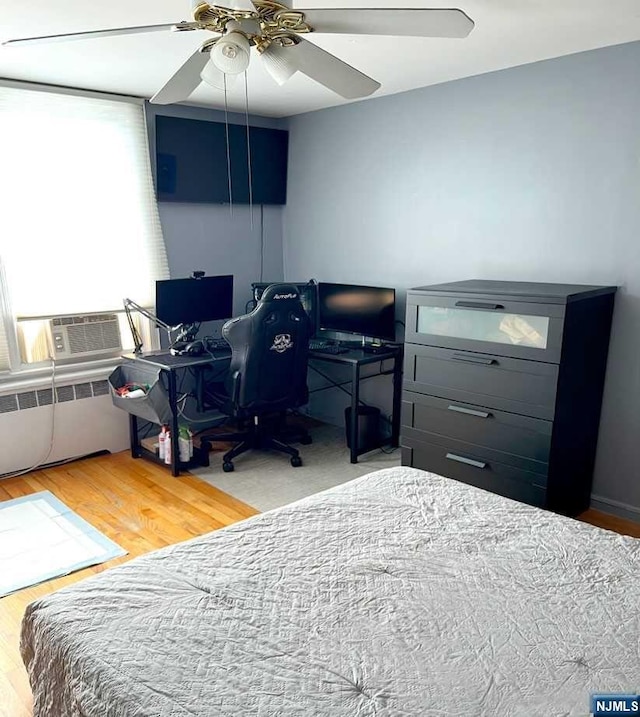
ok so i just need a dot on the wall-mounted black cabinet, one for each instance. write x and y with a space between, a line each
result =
191 162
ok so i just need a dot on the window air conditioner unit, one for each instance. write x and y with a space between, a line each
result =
87 335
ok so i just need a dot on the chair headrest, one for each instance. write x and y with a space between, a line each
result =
280 294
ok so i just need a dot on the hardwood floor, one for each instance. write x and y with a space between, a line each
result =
611 522
137 504
141 507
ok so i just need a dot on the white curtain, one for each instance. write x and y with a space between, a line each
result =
79 225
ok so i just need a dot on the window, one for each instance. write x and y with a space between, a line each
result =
79 226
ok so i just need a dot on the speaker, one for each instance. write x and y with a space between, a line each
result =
368 436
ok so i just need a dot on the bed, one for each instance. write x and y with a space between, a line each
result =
400 593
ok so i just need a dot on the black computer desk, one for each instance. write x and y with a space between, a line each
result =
353 358
171 366
356 358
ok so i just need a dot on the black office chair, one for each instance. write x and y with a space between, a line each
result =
267 375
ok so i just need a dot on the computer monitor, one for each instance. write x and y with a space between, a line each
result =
194 300
365 310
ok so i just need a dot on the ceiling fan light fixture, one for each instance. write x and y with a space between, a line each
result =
231 53
215 77
278 63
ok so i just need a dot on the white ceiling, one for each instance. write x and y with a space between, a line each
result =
507 33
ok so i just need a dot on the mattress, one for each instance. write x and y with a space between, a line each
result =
400 593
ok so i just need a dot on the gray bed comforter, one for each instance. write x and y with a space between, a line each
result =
399 593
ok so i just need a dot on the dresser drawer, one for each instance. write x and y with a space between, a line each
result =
526 439
488 325
506 384
472 467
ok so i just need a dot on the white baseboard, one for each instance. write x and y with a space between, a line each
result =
616 507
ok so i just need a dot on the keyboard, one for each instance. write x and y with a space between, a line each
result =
217 344
325 348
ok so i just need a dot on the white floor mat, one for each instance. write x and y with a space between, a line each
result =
40 539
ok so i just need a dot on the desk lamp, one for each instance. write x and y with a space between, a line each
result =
130 305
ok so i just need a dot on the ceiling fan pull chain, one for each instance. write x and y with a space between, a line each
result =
246 114
226 130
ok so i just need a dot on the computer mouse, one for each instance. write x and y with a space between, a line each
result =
194 348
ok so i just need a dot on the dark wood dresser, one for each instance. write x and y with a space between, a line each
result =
503 386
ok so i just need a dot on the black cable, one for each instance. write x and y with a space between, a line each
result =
226 128
246 112
61 462
261 243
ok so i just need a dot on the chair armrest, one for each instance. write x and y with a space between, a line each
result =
236 380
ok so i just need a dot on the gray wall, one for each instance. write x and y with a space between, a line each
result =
211 237
208 237
527 174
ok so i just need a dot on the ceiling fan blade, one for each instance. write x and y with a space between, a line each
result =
415 22
100 33
328 70
183 82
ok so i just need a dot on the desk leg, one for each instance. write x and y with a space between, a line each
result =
173 404
397 400
199 390
355 402
133 436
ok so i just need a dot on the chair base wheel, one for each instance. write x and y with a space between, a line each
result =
227 467
296 461
306 440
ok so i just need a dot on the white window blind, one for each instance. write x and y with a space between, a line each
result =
5 318
79 226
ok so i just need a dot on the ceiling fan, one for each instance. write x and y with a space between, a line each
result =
276 31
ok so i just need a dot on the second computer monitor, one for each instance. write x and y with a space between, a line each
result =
364 310
191 301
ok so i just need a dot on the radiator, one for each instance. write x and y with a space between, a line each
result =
86 421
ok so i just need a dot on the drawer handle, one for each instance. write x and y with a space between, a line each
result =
466 461
479 305
469 411
475 359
